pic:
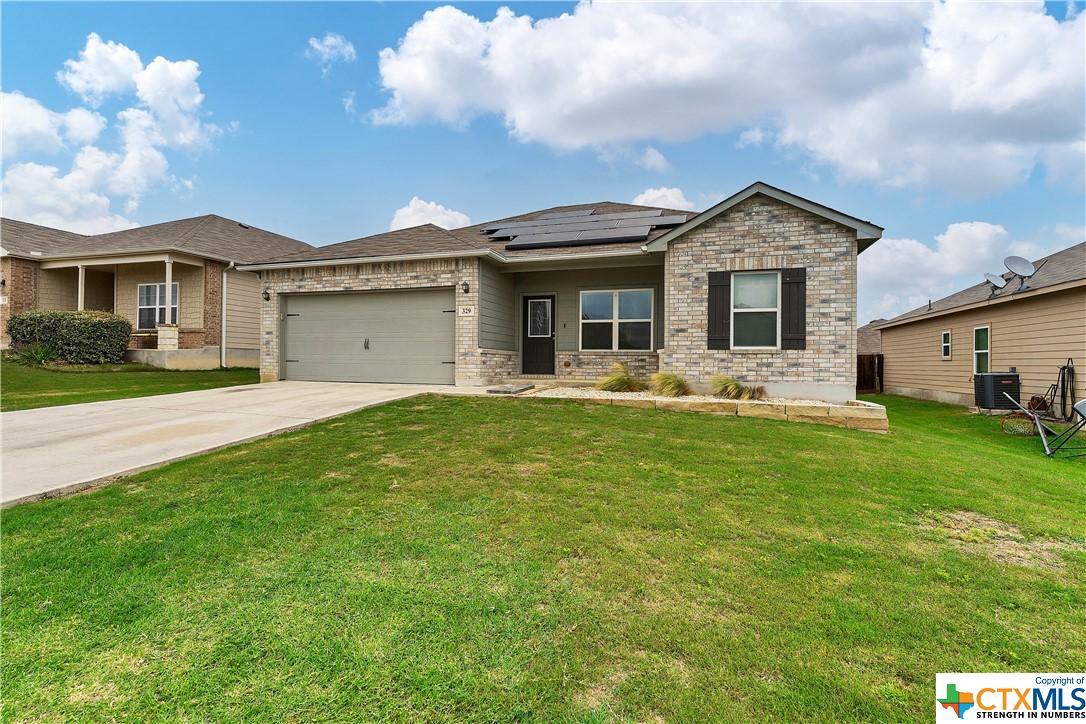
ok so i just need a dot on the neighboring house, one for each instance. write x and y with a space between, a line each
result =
761 286
869 338
212 316
933 352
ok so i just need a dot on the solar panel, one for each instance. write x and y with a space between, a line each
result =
561 214
599 236
574 220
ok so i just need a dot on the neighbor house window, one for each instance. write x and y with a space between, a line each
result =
756 309
982 349
151 305
620 319
946 344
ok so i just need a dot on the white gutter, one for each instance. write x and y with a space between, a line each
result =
222 317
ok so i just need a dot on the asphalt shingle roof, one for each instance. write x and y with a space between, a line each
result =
1064 266
209 235
427 239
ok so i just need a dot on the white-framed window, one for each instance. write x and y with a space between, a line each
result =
151 305
945 344
982 349
616 319
756 310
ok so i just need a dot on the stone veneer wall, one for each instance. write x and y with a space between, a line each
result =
472 366
762 233
590 366
212 336
20 290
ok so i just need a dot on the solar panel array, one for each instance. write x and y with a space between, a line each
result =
578 228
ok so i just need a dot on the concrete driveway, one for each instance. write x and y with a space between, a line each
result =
61 449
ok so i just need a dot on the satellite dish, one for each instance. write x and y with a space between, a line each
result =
1022 267
996 281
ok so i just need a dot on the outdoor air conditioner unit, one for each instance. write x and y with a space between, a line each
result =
988 389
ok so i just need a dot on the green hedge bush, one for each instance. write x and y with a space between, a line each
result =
88 337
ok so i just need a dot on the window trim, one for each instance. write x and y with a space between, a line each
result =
614 321
733 311
987 351
169 307
946 349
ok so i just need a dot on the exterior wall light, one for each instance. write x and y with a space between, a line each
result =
266 295
464 287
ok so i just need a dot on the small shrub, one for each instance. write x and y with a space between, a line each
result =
87 337
620 380
670 384
733 389
34 355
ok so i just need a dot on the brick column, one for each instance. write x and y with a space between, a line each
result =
213 302
168 336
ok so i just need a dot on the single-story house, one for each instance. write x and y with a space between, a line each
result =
933 352
212 317
761 286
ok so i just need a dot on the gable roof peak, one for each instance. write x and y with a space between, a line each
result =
866 232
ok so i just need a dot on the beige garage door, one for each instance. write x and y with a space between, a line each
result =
407 336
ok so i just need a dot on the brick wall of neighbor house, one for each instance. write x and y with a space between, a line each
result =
762 233
212 302
471 367
190 281
20 291
58 288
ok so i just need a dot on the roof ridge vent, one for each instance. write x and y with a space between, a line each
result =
244 226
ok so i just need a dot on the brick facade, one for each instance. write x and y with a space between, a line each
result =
20 290
472 366
765 234
590 366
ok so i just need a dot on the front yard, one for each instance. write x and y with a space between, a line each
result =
479 559
24 388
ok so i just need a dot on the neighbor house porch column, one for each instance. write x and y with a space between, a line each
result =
169 293
81 292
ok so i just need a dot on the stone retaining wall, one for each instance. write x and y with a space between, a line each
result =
856 414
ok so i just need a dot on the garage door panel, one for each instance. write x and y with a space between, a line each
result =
411 337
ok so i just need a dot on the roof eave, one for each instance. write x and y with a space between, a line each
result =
117 253
1013 296
369 259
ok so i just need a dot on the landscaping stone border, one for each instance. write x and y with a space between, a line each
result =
856 414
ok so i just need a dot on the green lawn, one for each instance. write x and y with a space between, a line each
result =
459 559
24 388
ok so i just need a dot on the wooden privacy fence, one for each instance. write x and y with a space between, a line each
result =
868 373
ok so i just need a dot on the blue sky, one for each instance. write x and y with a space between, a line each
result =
958 128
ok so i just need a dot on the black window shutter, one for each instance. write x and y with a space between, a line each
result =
720 297
793 309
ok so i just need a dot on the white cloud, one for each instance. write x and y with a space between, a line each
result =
653 160
1070 235
27 126
418 212
165 112
102 69
968 97
668 198
330 49
896 275
348 103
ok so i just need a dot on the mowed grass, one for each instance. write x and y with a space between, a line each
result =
24 388
469 559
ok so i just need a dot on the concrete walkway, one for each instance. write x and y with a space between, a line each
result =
55 450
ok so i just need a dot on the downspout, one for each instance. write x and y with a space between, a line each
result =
222 316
